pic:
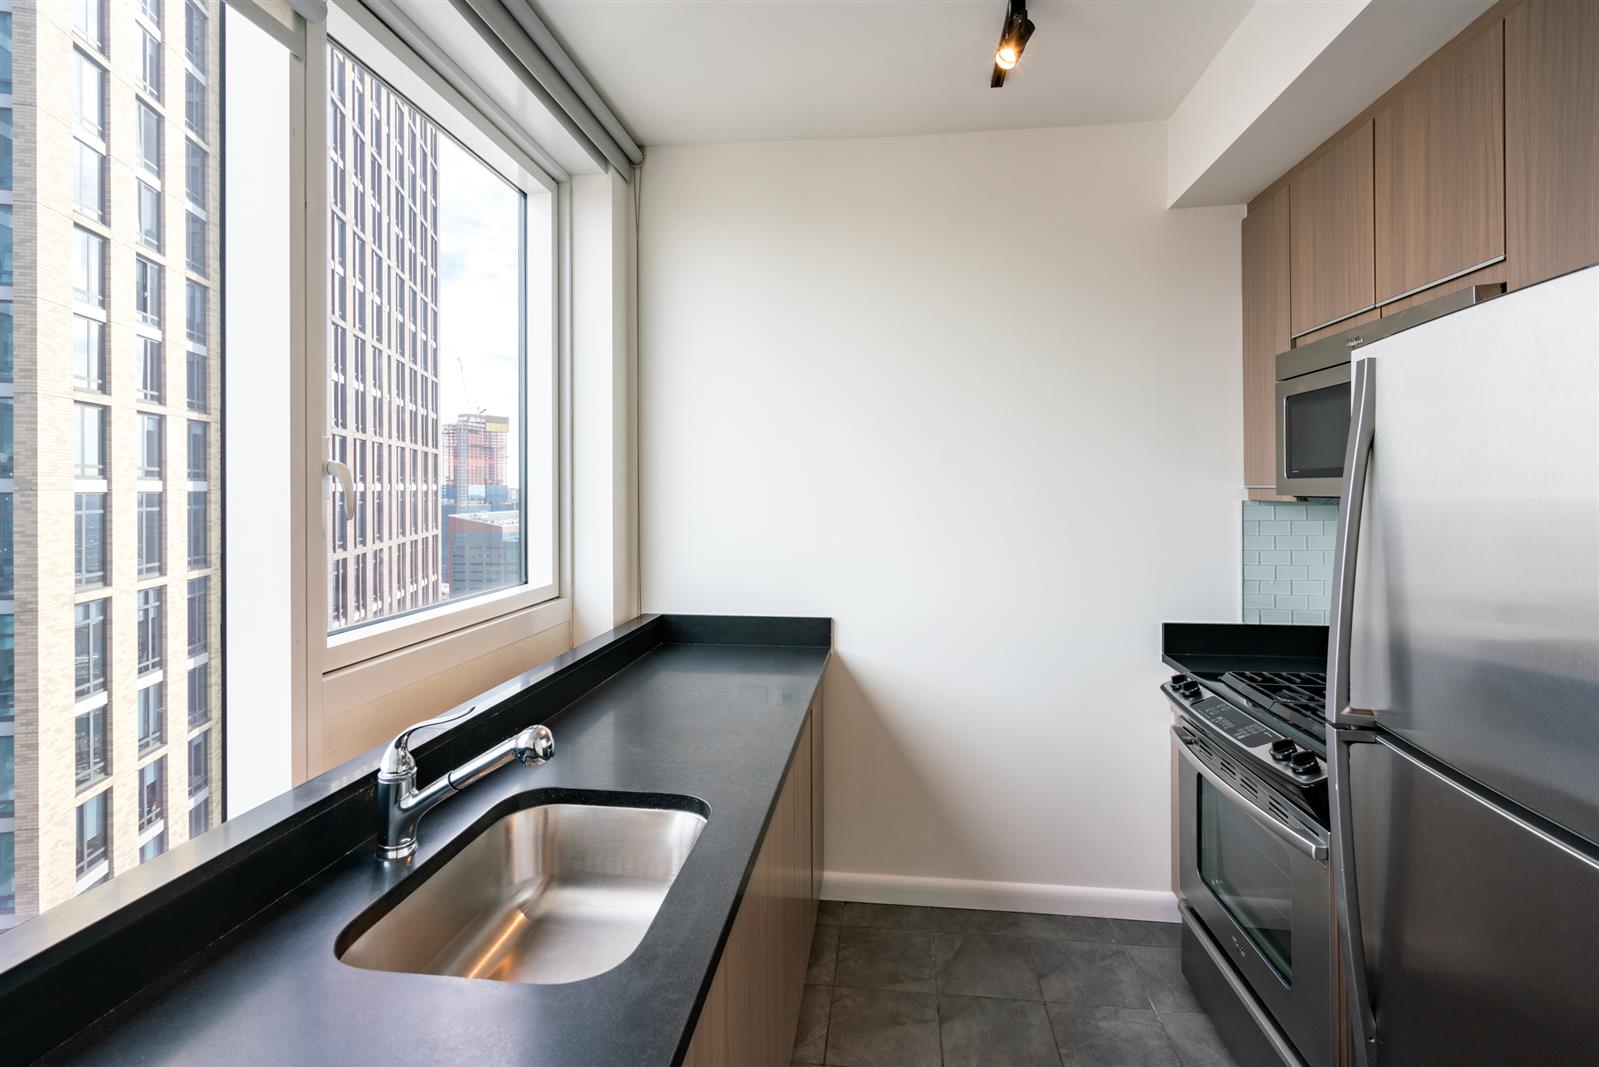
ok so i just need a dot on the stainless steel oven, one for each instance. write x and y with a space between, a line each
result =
1253 870
1312 399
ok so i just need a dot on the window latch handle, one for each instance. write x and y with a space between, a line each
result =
334 469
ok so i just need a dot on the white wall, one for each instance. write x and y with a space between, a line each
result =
976 397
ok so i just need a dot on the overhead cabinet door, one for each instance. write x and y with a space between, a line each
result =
1440 166
1265 255
1552 127
1330 205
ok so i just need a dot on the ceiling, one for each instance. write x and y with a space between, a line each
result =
711 71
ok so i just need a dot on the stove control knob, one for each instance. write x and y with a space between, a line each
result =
1282 749
1303 762
1179 681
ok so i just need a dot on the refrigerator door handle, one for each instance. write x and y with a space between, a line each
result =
1357 465
1362 1020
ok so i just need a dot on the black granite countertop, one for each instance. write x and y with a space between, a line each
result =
714 721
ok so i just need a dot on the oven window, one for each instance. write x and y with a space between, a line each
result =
1316 431
1250 873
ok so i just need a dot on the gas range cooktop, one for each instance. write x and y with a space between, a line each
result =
1298 696
1257 692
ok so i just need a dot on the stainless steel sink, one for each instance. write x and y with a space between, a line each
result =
548 894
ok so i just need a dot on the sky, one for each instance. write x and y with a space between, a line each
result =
479 279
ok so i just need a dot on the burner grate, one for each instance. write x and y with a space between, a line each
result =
1301 692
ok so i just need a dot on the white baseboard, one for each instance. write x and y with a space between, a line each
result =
1157 905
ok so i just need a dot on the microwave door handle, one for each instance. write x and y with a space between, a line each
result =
1357 466
1288 835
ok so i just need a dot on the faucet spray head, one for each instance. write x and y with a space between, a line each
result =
534 745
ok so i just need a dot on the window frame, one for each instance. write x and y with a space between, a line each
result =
546 275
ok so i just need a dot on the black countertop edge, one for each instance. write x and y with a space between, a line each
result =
61 970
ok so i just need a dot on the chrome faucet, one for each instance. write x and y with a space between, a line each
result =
401 805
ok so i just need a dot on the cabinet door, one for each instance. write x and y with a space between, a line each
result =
1552 137
1331 252
1265 258
1440 169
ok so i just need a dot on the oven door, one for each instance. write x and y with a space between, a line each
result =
1257 878
1313 432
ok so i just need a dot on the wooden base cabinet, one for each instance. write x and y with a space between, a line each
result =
750 1015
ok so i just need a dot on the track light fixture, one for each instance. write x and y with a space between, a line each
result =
1012 40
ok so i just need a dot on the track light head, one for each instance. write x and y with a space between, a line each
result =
1013 36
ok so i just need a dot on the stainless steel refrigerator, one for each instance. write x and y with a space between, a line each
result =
1463 686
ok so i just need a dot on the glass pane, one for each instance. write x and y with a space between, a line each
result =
1317 425
1249 870
425 359
102 571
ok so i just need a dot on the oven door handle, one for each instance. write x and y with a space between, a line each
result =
1287 834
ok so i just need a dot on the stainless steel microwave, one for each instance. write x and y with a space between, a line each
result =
1313 395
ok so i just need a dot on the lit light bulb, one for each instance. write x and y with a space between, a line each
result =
1006 57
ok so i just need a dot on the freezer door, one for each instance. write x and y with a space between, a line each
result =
1481 936
1475 625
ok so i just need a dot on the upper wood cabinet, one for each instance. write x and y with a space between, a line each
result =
1330 234
1265 298
1440 165
1552 137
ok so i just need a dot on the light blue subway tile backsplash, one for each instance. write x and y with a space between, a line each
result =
1288 553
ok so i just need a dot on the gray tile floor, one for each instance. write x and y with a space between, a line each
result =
892 986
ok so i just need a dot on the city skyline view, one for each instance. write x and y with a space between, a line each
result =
425 357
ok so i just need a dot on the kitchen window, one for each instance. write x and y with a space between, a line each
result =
466 508
127 196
